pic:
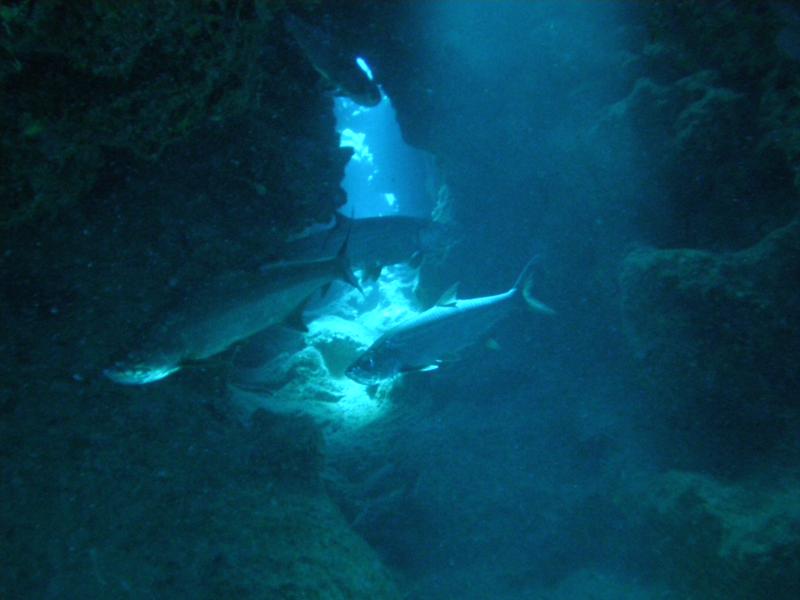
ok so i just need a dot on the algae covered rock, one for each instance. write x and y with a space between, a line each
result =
87 77
735 38
722 186
714 540
158 493
721 314
712 119
311 381
97 85
717 337
306 550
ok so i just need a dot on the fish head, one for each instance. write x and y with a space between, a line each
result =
373 367
136 370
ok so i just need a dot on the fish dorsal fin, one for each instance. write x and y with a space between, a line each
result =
449 297
343 262
342 220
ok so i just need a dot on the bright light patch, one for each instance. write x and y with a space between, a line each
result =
352 139
362 64
356 141
391 199
382 162
350 324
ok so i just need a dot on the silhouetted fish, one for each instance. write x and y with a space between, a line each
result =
228 312
332 62
421 343
375 241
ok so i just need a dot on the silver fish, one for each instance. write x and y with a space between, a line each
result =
228 312
422 342
375 241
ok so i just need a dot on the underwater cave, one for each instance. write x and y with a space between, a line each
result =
382 300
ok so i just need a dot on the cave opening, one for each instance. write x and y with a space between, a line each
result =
385 176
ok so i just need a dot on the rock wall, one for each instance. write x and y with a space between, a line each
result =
716 336
712 321
111 492
145 148
723 541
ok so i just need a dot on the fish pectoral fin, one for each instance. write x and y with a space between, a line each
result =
373 272
449 298
416 260
295 318
339 223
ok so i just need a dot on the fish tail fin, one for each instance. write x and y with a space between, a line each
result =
524 284
343 262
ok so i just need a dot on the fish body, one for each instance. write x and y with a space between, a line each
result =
375 241
226 312
422 342
335 65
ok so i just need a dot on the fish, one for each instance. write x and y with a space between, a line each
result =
375 242
338 67
226 312
441 333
